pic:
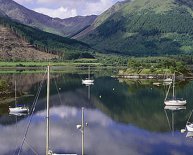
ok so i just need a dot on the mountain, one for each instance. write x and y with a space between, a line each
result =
74 25
104 16
15 48
21 42
63 27
143 28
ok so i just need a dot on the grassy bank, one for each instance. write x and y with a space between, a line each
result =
155 65
43 64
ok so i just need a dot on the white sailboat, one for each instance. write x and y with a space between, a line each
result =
18 109
88 81
174 101
48 151
167 80
189 127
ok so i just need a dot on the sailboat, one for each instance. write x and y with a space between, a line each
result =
88 81
18 109
167 80
189 127
48 151
174 101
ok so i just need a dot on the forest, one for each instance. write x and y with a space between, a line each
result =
64 47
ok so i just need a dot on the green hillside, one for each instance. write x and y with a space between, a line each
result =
66 48
145 27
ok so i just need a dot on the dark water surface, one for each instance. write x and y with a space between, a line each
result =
124 117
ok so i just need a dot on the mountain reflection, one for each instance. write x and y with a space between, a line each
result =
123 118
103 136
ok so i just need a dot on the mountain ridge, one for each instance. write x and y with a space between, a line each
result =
100 19
43 22
144 27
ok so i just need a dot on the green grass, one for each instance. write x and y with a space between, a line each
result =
43 64
86 60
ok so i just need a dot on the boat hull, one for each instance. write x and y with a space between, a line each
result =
175 102
88 82
189 127
168 80
18 110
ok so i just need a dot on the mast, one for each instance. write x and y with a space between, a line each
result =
89 72
47 114
174 86
172 123
89 92
15 93
167 92
82 131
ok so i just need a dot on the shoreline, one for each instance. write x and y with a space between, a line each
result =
152 76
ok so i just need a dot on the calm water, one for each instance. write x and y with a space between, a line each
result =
124 117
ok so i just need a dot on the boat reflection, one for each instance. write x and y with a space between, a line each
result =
172 109
189 134
17 114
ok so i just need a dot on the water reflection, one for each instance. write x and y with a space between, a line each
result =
189 134
17 114
122 118
103 136
173 109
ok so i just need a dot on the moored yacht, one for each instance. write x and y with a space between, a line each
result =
88 81
18 109
174 101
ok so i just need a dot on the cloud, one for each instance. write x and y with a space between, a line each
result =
68 8
59 12
97 8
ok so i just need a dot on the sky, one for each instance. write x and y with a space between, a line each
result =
68 8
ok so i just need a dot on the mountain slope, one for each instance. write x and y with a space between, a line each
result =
41 41
74 25
144 27
15 48
100 19
65 27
